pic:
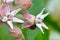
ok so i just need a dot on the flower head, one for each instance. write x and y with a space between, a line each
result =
8 15
35 20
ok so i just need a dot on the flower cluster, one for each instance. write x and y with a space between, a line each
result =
8 12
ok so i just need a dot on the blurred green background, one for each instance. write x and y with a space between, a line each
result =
51 21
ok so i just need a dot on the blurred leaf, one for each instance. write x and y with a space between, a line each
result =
4 33
52 23
37 6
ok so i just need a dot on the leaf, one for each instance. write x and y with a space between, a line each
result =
4 33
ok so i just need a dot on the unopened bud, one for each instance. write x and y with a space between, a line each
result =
17 33
24 4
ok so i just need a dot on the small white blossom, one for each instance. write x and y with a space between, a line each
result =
9 17
39 18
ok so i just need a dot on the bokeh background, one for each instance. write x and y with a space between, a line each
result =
52 21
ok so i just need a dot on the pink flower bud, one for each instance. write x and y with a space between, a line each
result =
24 4
17 33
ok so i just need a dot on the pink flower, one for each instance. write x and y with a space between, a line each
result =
8 15
8 3
35 20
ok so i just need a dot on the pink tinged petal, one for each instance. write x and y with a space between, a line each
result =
15 11
17 20
26 25
10 24
44 26
39 15
40 26
27 15
44 15
3 10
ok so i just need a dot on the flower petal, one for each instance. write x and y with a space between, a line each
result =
15 11
39 15
27 16
44 15
40 26
4 19
26 24
3 10
17 20
44 26
8 10
10 24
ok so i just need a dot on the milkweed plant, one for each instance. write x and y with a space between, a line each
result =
9 13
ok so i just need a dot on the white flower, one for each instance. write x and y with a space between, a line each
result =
9 17
37 20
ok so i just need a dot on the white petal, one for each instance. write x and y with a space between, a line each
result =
40 13
40 26
15 11
7 10
4 19
44 15
44 26
17 20
10 24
